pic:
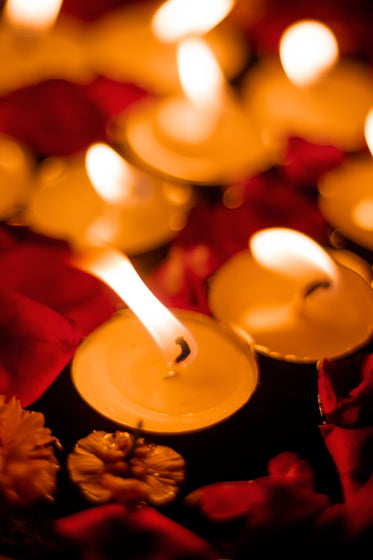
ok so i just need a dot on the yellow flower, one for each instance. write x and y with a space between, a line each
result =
28 466
109 466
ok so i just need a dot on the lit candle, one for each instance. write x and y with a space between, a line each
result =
16 184
149 367
311 93
346 195
202 135
138 43
296 302
35 47
102 198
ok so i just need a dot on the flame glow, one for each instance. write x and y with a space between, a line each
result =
111 176
117 271
307 49
292 253
362 214
368 130
200 75
176 19
32 14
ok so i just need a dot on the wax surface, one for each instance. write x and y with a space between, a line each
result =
332 110
266 305
121 45
54 54
234 149
16 184
120 371
341 190
148 221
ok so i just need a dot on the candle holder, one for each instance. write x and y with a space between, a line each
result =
234 150
289 319
120 372
16 172
346 201
123 46
39 55
66 205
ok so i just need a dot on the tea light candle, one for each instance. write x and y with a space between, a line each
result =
346 196
296 302
202 136
16 172
153 369
37 48
138 43
102 198
310 94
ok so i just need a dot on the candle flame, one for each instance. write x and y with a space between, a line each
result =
176 19
307 49
34 15
368 130
200 75
116 270
292 253
111 176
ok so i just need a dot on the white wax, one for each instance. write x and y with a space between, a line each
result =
120 371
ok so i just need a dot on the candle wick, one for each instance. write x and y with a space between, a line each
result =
185 349
313 286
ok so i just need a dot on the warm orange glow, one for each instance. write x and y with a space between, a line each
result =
32 14
362 214
177 19
117 271
307 49
193 118
200 75
292 253
111 176
368 130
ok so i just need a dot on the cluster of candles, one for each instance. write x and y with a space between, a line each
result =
285 296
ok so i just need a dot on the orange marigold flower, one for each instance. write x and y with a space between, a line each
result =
28 466
119 466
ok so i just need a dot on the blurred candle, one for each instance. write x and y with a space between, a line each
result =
38 15
311 93
296 302
170 373
346 194
39 44
138 43
16 177
202 135
102 198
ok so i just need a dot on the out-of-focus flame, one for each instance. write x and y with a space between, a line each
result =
116 270
292 253
307 49
111 176
368 130
362 211
32 15
176 19
362 214
193 118
200 75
